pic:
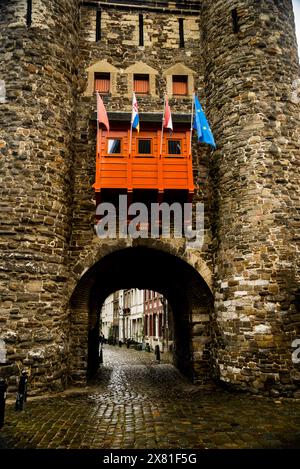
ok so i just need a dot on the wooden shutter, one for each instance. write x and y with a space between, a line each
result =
102 82
180 85
141 84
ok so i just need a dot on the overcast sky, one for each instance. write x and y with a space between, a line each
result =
296 4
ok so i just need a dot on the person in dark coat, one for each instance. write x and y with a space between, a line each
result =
22 391
101 338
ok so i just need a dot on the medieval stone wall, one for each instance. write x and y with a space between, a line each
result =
255 173
119 51
119 46
36 130
244 75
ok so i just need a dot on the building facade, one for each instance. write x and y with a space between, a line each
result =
122 316
133 301
158 321
235 300
109 318
141 316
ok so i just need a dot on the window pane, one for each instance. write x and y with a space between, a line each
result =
174 147
144 147
114 146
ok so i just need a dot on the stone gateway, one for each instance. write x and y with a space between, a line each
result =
235 301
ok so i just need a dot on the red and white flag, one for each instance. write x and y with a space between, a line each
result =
168 124
102 116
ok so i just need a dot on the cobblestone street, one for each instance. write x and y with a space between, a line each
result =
138 403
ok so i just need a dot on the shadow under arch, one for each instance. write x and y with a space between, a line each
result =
142 267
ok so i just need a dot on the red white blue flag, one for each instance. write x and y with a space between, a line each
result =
135 121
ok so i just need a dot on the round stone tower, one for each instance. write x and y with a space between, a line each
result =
38 42
251 68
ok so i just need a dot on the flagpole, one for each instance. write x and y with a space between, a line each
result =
162 128
98 147
131 123
192 118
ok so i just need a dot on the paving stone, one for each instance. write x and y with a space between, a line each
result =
129 405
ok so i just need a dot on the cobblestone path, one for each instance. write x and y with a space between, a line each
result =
138 403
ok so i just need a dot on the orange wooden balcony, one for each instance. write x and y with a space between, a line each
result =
145 165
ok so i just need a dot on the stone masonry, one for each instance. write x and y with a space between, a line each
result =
235 302
255 178
36 138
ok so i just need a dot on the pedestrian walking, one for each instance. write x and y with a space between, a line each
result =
157 353
101 338
22 391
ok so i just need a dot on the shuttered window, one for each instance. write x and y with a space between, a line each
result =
141 84
102 82
180 85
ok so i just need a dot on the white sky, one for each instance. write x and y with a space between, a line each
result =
296 4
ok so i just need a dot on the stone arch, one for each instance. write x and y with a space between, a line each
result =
99 248
160 266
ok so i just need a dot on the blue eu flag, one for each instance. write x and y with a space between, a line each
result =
201 125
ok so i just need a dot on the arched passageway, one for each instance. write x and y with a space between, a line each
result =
145 268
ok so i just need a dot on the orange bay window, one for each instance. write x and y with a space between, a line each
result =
144 166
